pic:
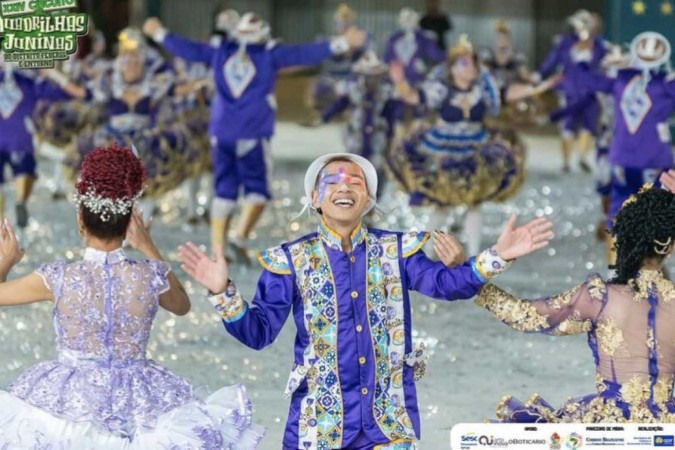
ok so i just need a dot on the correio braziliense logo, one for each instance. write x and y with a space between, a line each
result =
38 32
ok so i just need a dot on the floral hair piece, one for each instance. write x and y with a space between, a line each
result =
103 206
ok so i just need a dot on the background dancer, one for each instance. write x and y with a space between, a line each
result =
243 113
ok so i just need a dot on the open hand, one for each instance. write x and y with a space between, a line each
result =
10 251
516 242
448 249
211 272
151 26
668 180
138 233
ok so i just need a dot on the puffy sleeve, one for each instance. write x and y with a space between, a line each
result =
433 93
159 276
52 275
571 312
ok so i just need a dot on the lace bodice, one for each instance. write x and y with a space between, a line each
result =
630 330
105 304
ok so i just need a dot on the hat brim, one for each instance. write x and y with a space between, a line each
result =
366 166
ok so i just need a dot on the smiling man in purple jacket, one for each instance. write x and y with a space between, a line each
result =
352 385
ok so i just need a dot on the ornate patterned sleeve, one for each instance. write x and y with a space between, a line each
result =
571 312
435 280
258 324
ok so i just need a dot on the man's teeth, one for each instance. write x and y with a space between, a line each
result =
344 202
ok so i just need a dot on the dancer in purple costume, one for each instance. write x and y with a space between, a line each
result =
369 97
416 50
243 112
575 55
456 160
132 93
20 91
346 286
644 101
324 89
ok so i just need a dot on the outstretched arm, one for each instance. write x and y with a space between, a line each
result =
450 282
193 51
255 326
59 87
312 54
27 289
571 312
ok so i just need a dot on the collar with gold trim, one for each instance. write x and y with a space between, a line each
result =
334 240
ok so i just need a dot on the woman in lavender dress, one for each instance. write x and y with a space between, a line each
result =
102 392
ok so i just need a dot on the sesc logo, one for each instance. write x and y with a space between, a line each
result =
469 440
664 441
574 441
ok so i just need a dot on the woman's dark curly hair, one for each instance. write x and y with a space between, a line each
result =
645 218
114 173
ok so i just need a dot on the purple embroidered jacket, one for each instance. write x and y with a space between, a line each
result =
355 366
641 136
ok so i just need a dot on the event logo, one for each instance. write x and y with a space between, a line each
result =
555 442
486 440
36 33
574 441
469 440
664 441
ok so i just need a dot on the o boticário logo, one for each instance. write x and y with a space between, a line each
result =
36 33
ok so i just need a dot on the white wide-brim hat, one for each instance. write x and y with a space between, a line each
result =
650 50
368 169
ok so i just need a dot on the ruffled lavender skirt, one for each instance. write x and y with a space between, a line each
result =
131 404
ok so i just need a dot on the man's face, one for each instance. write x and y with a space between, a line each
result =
341 192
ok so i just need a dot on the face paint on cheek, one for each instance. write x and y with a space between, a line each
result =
327 180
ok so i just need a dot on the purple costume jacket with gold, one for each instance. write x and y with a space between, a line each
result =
355 366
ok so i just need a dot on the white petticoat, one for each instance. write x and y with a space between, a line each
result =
190 426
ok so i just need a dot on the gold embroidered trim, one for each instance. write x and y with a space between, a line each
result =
520 315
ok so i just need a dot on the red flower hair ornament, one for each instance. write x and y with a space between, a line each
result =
111 180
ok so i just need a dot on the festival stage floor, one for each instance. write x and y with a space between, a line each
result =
475 360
